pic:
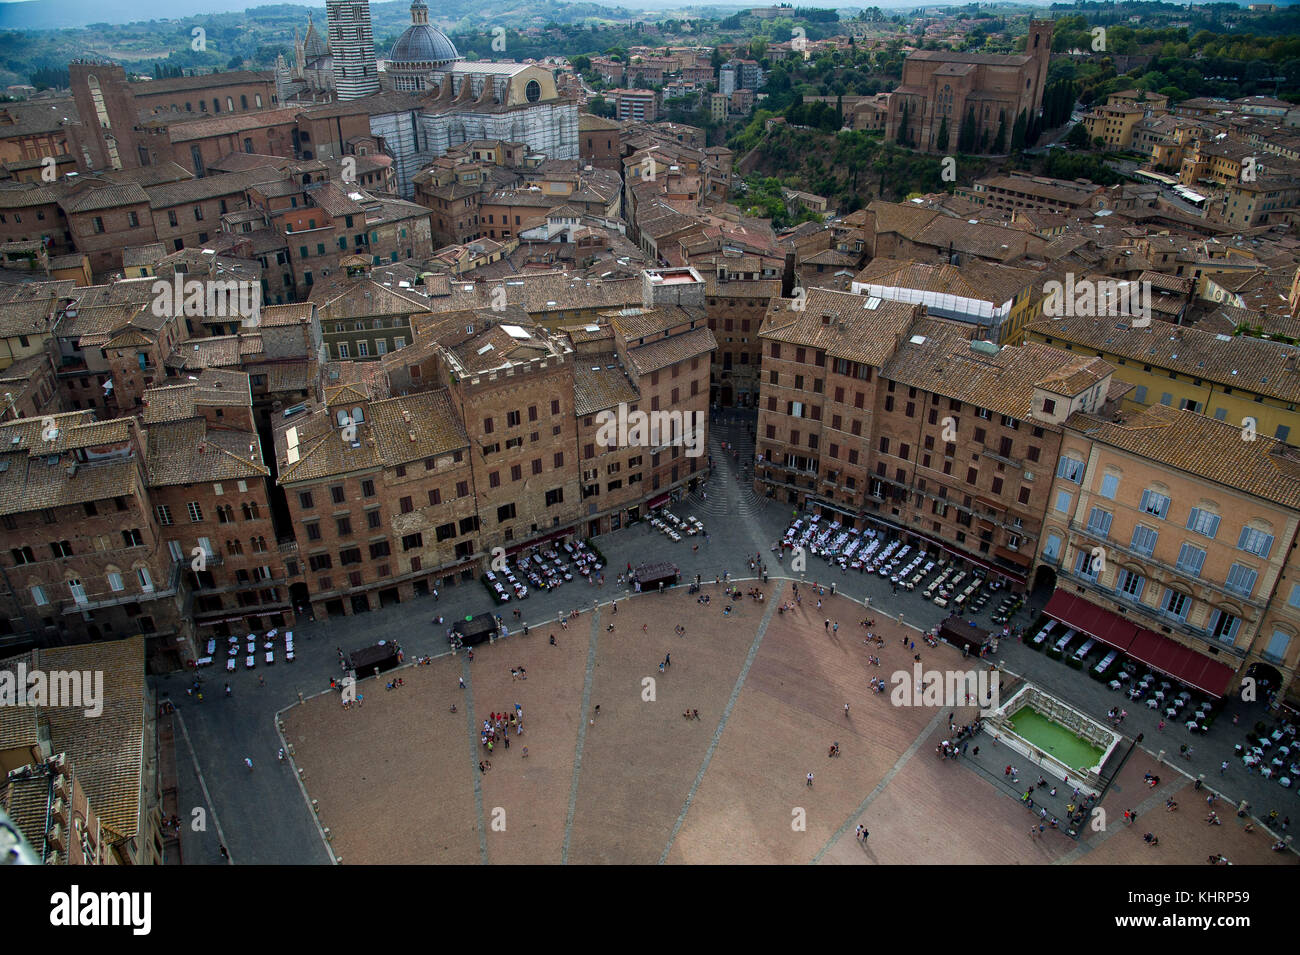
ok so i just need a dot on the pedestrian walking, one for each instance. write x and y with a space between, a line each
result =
858 835
228 691
249 763
281 754
1223 767
461 679
810 779
225 853
846 710
261 680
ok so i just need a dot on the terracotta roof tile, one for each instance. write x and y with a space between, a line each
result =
107 752
842 324
1202 446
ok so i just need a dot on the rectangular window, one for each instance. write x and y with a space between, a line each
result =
146 582
1070 470
196 512
1203 522
313 531
1085 566
1190 560
1144 540
1255 542
1153 502
1099 521
407 505
1241 580
1223 626
38 596
1109 486
1131 584
305 501
336 493
115 582
164 514
1176 604
1063 501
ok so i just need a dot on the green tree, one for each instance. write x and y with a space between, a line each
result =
941 143
1018 133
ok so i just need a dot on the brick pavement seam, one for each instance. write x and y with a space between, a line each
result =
203 784
773 603
582 733
1147 805
885 780
474 734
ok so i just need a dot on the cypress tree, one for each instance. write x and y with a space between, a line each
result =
1018 133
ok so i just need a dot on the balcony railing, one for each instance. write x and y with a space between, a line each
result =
1158 618
120 597
1191 579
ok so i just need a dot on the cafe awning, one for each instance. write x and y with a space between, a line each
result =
1146 646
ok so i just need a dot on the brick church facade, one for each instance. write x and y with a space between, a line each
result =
939 85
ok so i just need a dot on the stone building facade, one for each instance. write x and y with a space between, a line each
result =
941 85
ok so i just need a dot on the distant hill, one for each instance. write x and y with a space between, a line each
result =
58 14
62 14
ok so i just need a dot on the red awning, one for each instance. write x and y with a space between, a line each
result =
1110 628
657 502
1156 651
511 551
1185 664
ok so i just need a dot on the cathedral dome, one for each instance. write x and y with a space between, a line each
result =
421 43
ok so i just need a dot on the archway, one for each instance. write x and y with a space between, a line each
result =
300 598
1044 578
